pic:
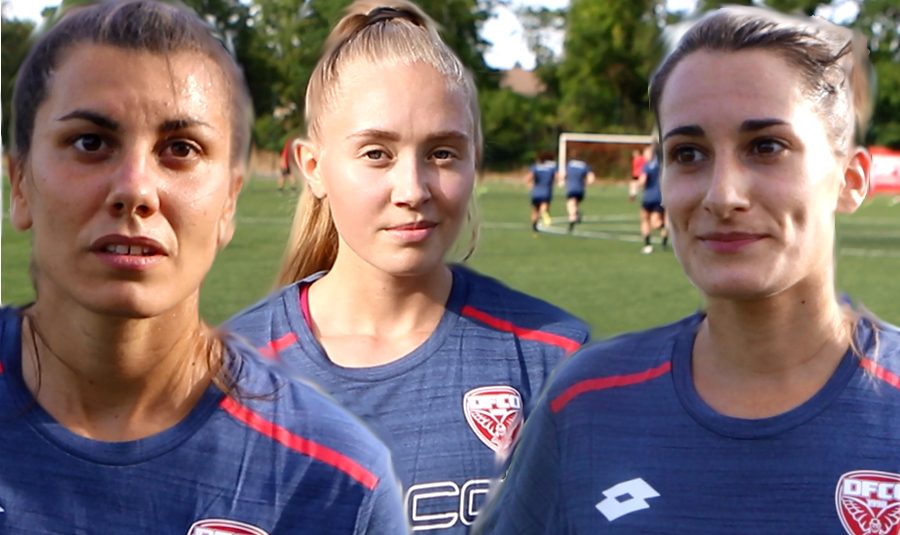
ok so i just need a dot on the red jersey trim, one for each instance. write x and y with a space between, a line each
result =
526 334
602 383
2 369
881 373
274 347
299 444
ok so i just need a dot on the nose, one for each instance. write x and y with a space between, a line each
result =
133 188
727 189
411 183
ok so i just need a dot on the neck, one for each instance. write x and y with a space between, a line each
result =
113 378
374 318
760 358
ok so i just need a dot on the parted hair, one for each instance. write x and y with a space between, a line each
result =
832 61
142 25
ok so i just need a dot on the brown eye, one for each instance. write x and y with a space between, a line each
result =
768 147
182 149
685 154
88 143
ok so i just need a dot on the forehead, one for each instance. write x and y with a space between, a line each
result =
123 82
395 94
719 86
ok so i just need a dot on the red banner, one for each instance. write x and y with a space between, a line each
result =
885 170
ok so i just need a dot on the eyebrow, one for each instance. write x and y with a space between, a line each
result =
691 130
448 135
750 125
171 125
100 120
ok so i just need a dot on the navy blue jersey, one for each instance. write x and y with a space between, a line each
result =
277 458
576 175
652 191
623 443
447 408
544 175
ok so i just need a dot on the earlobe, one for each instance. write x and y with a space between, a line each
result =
306 154
855 184
19 211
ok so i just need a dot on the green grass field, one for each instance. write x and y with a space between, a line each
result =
598 273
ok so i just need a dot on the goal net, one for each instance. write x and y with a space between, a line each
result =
609 155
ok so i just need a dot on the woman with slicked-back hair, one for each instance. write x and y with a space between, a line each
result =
775 409
121 411
441 362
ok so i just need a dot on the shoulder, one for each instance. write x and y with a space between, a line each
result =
271 318
879 345
310 427
265 307
497 306
624 360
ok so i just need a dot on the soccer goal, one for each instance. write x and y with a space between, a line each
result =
608 154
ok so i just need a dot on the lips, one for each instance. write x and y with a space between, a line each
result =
729 242
128 246
730 236
416 225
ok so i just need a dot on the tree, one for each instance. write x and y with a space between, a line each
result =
14 42
610 49
879 21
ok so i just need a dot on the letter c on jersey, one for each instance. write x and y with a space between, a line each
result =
444 504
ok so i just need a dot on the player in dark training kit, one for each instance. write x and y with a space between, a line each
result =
577 175
774 410
441 362
541 177
121 411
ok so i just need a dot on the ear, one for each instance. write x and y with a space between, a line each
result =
307 156
226 221
855 184
19 211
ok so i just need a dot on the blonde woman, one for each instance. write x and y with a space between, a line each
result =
441 362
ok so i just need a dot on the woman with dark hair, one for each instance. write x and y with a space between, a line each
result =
121 411
774 410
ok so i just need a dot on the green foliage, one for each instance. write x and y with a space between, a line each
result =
14 43
879 21
515 127
610 50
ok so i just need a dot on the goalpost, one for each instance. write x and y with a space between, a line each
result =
617 139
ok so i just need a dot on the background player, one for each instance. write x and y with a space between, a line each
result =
577 173
121 411
443 363
637 168
540 178
286 174
775 409
653 215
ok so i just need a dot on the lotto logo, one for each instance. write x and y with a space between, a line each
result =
495 415
218 526
868 502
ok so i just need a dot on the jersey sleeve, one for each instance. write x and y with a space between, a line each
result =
527 501
384 513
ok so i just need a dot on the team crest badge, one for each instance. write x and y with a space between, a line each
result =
495 415
218 526
868 502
